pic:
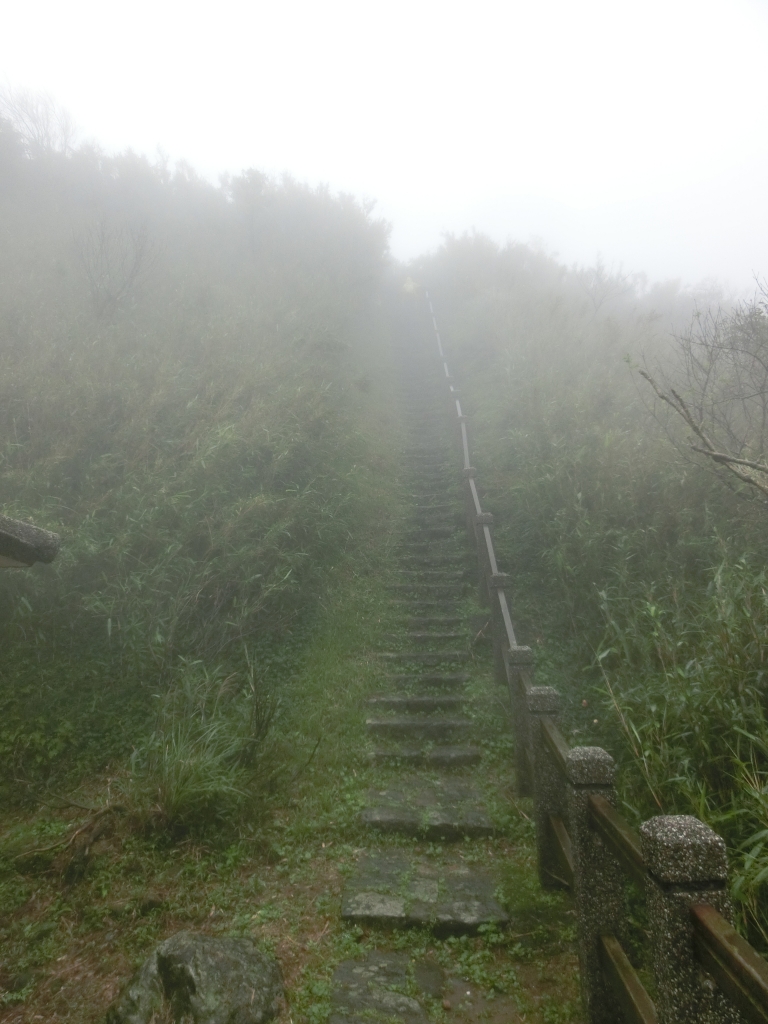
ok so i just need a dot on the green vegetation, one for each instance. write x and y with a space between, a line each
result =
195 392
189 391
638 571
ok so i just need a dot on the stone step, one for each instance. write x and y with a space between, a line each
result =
442 702
414 604
434 532
441 680
372 989
425 657
444 810
392 889
438 553
425 638
428 757
424 727
433 575
446 620
456 562
432 589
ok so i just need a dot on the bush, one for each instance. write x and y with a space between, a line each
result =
207 763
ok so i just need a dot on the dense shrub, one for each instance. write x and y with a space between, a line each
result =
178 398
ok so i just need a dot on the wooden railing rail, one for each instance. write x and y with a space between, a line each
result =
703 970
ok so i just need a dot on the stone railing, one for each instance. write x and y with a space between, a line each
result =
704 971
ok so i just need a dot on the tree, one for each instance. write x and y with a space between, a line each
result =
42 125
719 389
113 257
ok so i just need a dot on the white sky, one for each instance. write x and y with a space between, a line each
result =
633 130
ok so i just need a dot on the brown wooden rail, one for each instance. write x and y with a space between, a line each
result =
629 992
616 831
736 967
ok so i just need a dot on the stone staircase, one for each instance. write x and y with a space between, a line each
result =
423 734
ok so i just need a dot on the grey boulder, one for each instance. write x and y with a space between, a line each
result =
210 980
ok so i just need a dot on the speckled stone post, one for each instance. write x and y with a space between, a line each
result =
548 783
598 879
686 864
519 675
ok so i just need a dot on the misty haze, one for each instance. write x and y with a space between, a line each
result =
383 489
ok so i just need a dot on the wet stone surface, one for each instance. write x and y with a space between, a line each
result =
398 889
442 809
380 987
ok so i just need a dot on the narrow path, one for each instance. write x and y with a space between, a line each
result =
422 726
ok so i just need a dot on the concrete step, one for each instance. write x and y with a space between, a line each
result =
439 680
436 811
446 576
434 532
457 562
372 989
392 889
455 590
425 554
436 620
425 657
428 757
409 605
425 727
417 702
426 638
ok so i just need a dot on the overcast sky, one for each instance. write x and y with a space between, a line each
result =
633 130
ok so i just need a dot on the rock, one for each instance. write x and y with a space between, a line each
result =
212 980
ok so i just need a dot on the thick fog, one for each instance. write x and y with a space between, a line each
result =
631 131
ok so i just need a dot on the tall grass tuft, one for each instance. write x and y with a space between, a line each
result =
208 761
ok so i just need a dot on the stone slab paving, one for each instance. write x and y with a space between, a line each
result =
400 889
423 733
443 809
377 989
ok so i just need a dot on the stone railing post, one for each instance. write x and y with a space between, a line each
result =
686 864
519 670
548 783
598 881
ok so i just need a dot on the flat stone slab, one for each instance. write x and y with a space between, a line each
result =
379 989
444 809
434 589
393 889
434 702
425 657
426 621
422 637
430 757
426 727
442 680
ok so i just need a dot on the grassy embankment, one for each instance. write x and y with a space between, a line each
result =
638 575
